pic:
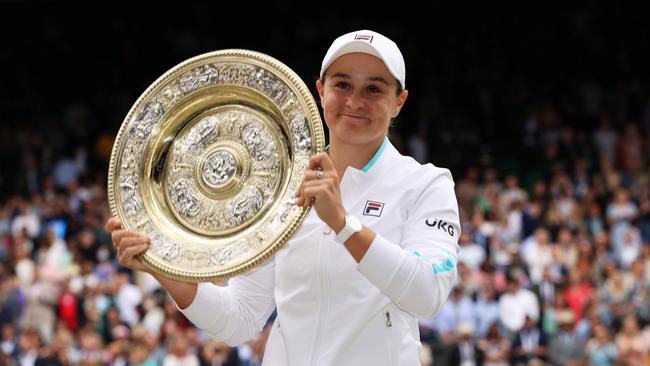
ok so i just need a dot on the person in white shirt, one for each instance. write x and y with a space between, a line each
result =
351 283
516 305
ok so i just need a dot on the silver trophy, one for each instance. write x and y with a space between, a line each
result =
208 160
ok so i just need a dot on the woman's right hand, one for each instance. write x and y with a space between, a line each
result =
128 244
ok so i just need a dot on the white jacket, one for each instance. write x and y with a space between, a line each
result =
331 310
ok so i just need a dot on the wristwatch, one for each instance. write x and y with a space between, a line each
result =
352 226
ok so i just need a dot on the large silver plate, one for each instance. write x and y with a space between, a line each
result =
207 162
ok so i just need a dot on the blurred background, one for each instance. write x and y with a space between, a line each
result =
542 114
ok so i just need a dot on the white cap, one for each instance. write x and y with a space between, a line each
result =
372 43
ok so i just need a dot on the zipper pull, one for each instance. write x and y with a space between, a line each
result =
388 322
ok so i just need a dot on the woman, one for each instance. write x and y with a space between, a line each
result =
378 250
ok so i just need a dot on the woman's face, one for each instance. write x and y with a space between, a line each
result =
359 98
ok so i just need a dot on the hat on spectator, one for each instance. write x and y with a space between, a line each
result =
464 328
372 43
565 317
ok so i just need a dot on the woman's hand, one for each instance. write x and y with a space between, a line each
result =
320 186
128 244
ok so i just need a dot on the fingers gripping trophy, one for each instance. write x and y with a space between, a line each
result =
205 166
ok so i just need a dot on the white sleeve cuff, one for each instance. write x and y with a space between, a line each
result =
381 262
206 310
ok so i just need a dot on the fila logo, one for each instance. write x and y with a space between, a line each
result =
373 208
363 37
440 225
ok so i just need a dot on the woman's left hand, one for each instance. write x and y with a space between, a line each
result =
321 186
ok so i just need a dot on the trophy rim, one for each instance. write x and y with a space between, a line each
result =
296 84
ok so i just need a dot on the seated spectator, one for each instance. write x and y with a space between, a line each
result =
566 348
465 352
551 320
494 349
517 305
577 293
547 290
29 343
178 352
631 345
487 309
457 310
538 254
529 344
218 353
470 253
600 349
616 294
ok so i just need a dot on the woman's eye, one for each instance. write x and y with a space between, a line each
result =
374 89
342 85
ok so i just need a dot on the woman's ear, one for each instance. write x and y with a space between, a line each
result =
321 90
401 99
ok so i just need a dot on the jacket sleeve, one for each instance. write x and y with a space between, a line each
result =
418 273
235 313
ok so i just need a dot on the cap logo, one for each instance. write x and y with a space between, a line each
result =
363 37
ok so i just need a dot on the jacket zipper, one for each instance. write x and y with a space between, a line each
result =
322 311
390 341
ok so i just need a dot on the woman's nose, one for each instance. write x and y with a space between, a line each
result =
355 100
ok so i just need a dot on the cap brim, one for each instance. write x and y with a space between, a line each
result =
357 47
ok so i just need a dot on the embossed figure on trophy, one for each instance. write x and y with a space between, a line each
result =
204 133
184 200
198 77
300 131
147 119
164 248
244 206
130 200
258 141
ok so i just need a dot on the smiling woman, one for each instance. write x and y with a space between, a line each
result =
377 251
359 100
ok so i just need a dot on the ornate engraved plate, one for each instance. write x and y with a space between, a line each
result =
208 160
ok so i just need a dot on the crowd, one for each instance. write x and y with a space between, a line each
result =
557 270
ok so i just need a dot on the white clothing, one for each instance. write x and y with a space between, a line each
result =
128 298
538 257
28 222
514 308
331 310
472 254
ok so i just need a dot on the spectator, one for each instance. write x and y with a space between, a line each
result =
566 348
517 305
538 254
458 309
465 352
577 293
495 350
470 253
179 352
605 138
631 345
128 297
487 309
529 344
600 349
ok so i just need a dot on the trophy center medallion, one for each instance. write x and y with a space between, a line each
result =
219 168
